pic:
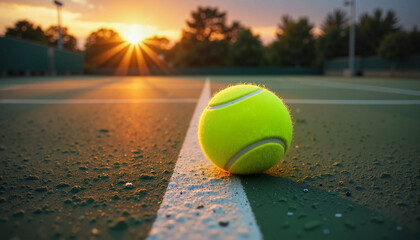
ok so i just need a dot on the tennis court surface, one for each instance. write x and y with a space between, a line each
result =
70 145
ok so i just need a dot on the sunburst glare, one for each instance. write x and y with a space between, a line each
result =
134 37
136 52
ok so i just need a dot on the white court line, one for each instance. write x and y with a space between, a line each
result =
111 87
352 102
358 87
199 196
193 100
97 101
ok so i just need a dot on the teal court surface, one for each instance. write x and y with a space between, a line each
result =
118 157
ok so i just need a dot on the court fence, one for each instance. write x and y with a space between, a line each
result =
19 57
24 57
202 71
375 66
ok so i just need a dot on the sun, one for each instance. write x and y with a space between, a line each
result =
135 34
134 37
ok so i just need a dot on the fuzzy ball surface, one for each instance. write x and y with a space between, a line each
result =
245 129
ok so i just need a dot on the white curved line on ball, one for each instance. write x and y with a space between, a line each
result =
252 146
236 100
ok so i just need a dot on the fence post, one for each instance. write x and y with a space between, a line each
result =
51 61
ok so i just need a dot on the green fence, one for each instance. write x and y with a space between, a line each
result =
65 61
18 55
212 71
374 63
25 56
247 71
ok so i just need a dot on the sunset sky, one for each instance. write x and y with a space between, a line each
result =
167 17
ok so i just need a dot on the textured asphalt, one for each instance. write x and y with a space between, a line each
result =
370 151
63 167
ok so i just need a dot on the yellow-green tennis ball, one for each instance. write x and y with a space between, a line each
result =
245 129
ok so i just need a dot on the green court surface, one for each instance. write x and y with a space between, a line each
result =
63 166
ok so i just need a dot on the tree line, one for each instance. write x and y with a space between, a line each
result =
25 29
209 40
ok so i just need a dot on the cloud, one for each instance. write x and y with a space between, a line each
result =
84 3
81 2
40 15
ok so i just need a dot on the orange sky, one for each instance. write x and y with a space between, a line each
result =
167 17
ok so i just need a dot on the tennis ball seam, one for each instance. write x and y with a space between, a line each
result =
236 100
248 148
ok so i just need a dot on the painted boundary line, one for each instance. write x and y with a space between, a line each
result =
193 100
97 101
200 198
113 87
352 102
358 87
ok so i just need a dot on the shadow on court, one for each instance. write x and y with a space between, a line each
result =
285 209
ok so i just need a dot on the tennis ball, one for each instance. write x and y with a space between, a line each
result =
245 129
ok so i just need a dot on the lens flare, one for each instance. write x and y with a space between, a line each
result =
137 53
134 37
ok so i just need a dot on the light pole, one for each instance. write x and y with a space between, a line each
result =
60 41
352 43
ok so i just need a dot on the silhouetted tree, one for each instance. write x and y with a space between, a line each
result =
69 41
295 45
285 20
414 37
102 36
209 24
337 20
98 49
190 52
395 47
158 44
25 29
247 50
159 47
233 31
372 29
334 40
206 40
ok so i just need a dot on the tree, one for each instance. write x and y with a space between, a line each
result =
414 37
158 44
336 20
189 52
156 48
206 40
232 32
69 41
295 45
334 40
26 30
394 47
209 24
247 50
101 48
102 36
372 29
332 44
